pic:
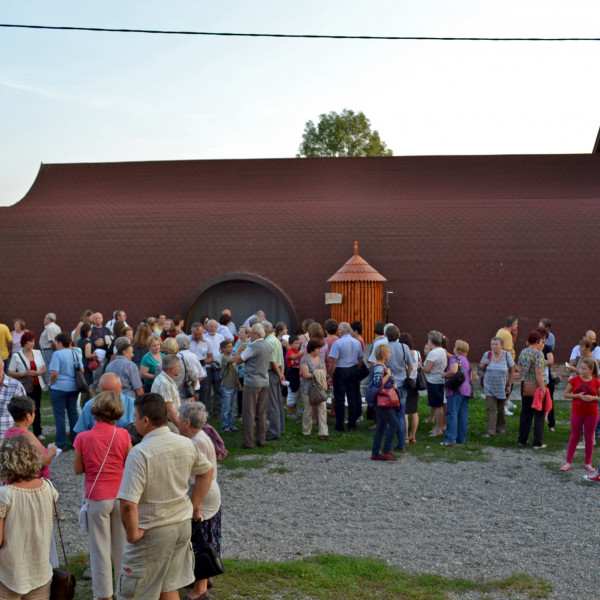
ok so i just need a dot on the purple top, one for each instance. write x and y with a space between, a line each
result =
466 389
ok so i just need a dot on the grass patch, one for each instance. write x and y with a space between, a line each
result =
77 565
332 576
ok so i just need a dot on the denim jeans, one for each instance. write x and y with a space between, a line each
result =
388 422
400 413
229 396
64 402
457 419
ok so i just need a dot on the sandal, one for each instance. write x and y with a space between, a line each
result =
589 468
412 440
566 467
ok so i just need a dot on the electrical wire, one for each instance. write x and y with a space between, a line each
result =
306 36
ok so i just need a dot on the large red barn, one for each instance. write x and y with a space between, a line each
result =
463 241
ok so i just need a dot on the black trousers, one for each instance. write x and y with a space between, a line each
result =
528 415
345 385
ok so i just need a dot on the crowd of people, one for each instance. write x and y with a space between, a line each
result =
140 434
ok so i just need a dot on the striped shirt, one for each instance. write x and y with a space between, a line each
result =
156 477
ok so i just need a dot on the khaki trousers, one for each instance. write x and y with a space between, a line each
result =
496 423
254 414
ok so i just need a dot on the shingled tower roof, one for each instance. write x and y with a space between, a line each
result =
356 269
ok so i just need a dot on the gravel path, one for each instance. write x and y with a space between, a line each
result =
513 514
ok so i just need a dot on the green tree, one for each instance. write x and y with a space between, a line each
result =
345 134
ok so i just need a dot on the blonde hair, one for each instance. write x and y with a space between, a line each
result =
170 346
107 407
381 351
19 459
461 347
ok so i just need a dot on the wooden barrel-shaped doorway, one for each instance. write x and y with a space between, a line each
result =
243 294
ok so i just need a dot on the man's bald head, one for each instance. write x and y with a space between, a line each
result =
110 382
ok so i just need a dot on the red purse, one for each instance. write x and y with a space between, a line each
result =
387 398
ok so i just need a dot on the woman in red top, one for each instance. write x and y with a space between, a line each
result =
100 453
583 389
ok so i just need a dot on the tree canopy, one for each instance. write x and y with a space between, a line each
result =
344 134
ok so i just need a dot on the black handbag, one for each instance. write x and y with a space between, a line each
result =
456 380
409 383
80 380
63 582
362 371
421 380
26 382
207 562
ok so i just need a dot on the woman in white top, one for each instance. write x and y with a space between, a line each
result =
26 511
28 367
436 361
207 531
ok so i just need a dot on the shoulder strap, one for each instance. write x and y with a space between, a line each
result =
59 531
27 367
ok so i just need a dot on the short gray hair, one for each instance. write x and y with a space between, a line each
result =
169 361
183 341
435 337
498 339
259 330
267 326
52 317
121 344
344 327
194 412
386 327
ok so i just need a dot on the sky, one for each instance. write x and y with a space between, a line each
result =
104 97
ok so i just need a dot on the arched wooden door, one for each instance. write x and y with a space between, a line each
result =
243 294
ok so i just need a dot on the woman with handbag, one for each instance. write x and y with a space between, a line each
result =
497 369
64 388
380 393
26 511
100 453
206 533
459 390
310 362
28 367
436 361
87 356
532 363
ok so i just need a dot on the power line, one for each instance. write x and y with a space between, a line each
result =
306 35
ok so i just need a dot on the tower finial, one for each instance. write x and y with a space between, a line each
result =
356 248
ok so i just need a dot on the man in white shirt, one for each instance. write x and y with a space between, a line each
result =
576 352
155 507
118 315
213 370
47 341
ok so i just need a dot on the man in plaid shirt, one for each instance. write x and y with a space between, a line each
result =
9 387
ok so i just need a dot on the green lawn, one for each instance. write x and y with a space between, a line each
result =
330 576
427 448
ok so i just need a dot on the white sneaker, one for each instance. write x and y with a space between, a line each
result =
510 404
507 412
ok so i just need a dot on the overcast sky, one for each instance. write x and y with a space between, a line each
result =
93 97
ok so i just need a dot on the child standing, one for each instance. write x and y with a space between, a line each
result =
230 383
292 374
583 389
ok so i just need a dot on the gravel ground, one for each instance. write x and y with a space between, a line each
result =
513 514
